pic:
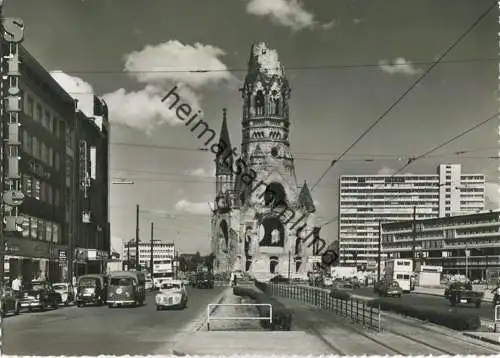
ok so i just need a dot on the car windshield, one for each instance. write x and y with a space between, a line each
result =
121 281
92 282
60 287
171 286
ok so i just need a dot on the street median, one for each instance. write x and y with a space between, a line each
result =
281 316
459 321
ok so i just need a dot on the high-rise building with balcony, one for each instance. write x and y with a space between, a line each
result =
366 200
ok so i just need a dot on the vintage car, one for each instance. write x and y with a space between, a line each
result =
66 291
91 290
390 289
171 295
40 295
460 292
8 302
126 288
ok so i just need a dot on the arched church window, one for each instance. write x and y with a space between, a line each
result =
277 107
298 262
259 102
273 262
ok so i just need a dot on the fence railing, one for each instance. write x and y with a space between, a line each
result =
497 318
211 308
356 310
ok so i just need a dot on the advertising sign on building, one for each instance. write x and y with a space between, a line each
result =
92 254
62 255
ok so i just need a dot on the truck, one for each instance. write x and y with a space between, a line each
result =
203 278
163 270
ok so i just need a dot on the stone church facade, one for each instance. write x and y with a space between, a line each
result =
262 220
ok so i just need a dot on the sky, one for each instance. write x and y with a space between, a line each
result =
347 62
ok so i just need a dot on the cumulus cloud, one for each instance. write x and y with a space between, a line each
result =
78 89
161 67
386 171
186 206
492 192
290 13
399 66
201 172
173 61
144 109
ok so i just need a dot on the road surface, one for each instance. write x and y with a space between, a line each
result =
101 330
486 310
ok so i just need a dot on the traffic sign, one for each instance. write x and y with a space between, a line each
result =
13 197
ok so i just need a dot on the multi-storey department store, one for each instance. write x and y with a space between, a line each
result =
50 167
464 244
161 251
364 200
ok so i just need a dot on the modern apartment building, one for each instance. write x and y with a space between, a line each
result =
366 200
161 251
464 244
49 156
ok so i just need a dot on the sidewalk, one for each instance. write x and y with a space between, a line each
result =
229 337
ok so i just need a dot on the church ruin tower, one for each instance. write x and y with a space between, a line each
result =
224 168
266 123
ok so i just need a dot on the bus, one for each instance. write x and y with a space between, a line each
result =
163 270
401 271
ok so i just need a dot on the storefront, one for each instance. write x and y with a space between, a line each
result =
89 261
32 259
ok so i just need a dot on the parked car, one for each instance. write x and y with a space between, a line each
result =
390 289
66 291
171 295
8 302
40 295
92 289
461 292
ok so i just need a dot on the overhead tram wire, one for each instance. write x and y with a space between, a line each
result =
291 68
370 156
405 93
418 157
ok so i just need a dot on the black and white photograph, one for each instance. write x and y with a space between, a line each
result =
249 177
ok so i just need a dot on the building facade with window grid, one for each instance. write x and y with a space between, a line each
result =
39 247
444 242
161 251
364 200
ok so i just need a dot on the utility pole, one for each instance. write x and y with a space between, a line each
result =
137 264
151 252
414 240
128 255
379 250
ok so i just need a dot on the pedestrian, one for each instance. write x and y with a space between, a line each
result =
16 286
